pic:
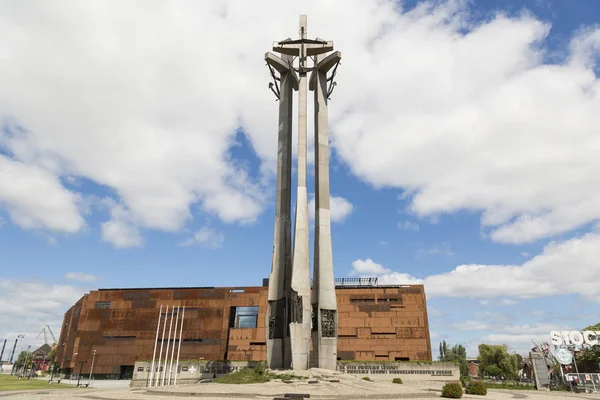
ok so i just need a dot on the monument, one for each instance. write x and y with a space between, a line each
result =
294 314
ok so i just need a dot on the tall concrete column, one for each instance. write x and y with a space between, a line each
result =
290 310
277 334
325 318
301 307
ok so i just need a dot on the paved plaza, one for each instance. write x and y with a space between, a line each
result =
348 387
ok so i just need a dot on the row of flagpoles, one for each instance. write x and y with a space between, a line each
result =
161 375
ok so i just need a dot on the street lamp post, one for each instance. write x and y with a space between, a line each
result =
74 366
92 368
79 375
15 347
52 371
24 367
31 369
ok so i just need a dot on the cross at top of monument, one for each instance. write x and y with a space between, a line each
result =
303 47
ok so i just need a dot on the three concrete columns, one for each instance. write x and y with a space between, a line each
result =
294 316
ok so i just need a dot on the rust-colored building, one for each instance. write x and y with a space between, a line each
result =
228 323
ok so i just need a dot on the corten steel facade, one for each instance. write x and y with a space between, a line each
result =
375 323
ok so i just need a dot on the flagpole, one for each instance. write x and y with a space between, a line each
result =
162 340
155 345
168 345
173 351
179 347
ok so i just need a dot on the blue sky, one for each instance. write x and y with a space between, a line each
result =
464 155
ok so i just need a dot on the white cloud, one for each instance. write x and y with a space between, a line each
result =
340 208
508 302
398 278
120 231
521 281
470 325
472 119
368 267
21 315
484 302
531 329
408 226
205 237
80 276
35 198
480 108
384 243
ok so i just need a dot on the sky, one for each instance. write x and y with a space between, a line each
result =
138 149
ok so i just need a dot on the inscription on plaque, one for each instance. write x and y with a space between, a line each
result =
297 312
272 328
328 323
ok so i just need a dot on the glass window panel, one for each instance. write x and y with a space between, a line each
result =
247 321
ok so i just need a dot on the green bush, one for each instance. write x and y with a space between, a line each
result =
260 368
397 380
366 378
476 387
465 380
452 390
510 386
246 375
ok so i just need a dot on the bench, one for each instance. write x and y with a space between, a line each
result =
83 384
56 381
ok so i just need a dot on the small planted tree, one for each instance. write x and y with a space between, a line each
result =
397 380
476 387
452 390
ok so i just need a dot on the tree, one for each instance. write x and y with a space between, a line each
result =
456 354
494 372
589 359
23 360
52 355
497 356
519 359
442 350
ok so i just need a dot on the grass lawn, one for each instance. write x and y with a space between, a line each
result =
253 375
247 375
8 382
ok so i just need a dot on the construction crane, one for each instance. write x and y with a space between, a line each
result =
47 327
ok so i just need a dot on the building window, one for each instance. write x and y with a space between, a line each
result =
140 369
102 305
184 368
244 317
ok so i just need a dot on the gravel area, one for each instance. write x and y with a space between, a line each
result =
348 388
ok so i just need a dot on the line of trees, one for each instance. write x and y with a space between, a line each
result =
494 360
456 354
